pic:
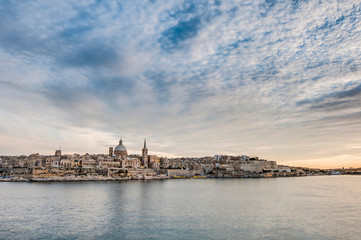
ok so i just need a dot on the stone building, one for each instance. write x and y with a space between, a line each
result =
120 151
58 152
111 151
130 163
125 161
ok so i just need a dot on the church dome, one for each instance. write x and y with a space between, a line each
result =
120 149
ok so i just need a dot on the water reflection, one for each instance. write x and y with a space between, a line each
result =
280 208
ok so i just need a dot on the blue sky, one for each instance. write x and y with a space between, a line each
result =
275 79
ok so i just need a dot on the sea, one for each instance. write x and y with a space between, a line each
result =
313 207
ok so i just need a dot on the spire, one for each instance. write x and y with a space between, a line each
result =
145 143
120 141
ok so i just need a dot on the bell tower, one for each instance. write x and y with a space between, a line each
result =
145 155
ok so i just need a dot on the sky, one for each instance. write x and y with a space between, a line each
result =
280 80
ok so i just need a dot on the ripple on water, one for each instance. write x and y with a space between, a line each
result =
324 207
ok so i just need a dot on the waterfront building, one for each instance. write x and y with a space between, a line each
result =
118 164
65 162
55 162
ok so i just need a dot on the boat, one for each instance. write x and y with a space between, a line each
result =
199 176
176 176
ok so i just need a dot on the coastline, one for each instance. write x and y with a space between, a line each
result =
110 179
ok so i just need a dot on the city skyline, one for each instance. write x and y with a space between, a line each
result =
275 79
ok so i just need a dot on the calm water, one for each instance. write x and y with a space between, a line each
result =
324 207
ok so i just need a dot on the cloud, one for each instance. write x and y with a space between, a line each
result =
270 78
172 37
92 55
339 100
191 17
